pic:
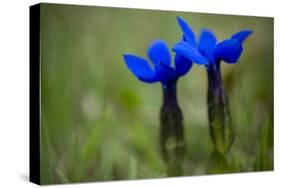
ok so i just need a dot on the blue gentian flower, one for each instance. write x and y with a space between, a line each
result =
207 51
171 126
163 71
210 53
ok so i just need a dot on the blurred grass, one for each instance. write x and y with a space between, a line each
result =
100 123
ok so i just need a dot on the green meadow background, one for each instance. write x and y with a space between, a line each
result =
98 122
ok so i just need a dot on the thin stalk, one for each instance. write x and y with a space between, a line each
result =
220 123
172 131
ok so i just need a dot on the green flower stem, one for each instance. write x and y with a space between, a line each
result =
221 128
218 163
172 131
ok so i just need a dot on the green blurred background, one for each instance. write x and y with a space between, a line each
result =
100 123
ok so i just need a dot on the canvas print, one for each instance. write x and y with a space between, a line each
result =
121 94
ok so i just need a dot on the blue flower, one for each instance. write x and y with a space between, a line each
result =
207 51
171 125
210 53
162 70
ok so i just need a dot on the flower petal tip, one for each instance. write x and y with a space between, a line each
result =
242 35
187 31
229 50
158 51
140 68
180 19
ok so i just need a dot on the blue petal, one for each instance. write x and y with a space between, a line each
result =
187 31
182 64
140 68
165 73
241 36
207 42
159 52
189 52
228 50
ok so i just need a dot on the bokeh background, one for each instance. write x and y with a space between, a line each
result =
98 122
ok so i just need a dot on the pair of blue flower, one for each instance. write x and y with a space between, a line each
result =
206 51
